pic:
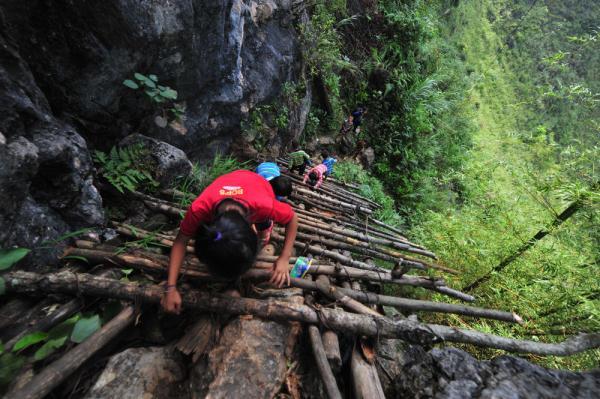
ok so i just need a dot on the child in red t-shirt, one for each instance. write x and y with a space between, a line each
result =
223 221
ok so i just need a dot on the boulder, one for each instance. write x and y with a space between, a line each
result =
154 372
249 361
170 162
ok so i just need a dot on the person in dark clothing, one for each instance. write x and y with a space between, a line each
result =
357 116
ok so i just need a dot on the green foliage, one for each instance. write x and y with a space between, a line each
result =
9 257
156 93
126 168
30 339
533 155
371 188
202 176
85 327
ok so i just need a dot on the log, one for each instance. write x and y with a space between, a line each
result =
331 343
329 381
411 331
193 268
54 374
365 379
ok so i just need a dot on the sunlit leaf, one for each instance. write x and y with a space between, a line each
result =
30 339
9 257
84 328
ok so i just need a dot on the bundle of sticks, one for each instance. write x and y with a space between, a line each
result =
354 256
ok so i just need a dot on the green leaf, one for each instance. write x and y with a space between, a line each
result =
84 328
153 77
2 286
30 339
9 257
1 348
126 272
150 83
140 77
131 84
169 93
49 347
65 328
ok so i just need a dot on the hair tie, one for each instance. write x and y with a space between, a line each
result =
218 236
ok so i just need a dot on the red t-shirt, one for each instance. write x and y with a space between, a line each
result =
249 188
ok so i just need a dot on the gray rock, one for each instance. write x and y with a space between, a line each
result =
249 361
155 372
171 163
45 169
450 373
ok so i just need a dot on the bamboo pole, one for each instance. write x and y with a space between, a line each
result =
333 392
54 374
340 195
334 202
411 331
329 254
193 268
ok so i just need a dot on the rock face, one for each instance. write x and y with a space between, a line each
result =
61 91
222 56
46 185
155 372
451 373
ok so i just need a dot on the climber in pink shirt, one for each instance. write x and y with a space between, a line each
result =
315 176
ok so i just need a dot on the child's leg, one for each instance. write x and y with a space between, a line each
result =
263 230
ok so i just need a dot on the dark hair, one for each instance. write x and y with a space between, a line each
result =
295 145
282 186
227 246
312 178
324 154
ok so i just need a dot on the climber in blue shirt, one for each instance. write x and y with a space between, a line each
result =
282 185
328 161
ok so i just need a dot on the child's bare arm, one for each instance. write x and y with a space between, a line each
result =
282 264
171 300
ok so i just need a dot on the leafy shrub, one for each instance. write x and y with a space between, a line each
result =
126 168
202 176
156 93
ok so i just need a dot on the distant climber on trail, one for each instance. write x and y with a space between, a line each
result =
282 185
299 160
345 138
226 221
328 161
314 177
357 115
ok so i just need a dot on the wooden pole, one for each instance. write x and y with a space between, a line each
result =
54 374
365 379
333 392
411 331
